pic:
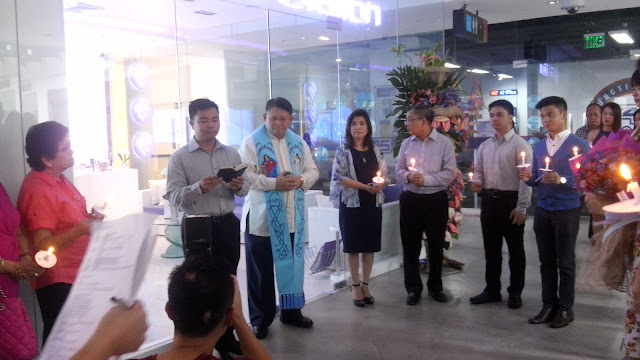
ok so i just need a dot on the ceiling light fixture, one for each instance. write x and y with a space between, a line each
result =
451 66
338 60
552 2
504 76
323 38
478 71
621 36
202 12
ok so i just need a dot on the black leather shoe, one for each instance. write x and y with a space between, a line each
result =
484 298
412 299
562 319
515 302
260 331
229 346
544 316
299 321
439 296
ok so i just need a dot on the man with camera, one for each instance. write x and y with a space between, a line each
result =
193 185
280 168
204 301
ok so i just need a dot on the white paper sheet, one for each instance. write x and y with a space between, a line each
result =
114 265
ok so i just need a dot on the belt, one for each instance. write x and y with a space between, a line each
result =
499 193
216 218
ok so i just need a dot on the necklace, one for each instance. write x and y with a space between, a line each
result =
362 155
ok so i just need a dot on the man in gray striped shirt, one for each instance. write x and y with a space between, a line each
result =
192 185
505 199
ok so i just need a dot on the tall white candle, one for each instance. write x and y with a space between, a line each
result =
546 161
522 155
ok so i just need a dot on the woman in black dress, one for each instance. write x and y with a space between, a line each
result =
359 199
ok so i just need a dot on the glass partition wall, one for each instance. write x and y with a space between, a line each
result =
120 75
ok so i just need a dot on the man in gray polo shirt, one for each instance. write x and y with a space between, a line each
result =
192 185
505 199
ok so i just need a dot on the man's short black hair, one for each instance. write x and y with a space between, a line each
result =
595 104
43 140
503 104
556 101
199 105
201 293
423 111
280 103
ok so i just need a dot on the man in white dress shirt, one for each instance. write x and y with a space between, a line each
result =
280 168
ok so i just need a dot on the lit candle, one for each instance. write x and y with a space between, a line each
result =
413 165
632 187
46 259
378 179
575 151
470 176
522 155
546 161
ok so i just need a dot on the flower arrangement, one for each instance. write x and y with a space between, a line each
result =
598 172
433 85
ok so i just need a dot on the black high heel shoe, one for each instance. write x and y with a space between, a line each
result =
367 299
358 303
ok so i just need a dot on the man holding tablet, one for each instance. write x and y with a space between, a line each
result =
193 185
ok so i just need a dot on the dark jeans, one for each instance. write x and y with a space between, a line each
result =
494 218
556 233
260 284
51 298
420 213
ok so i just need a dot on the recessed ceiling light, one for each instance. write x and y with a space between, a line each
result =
323 38
202 12
478 71
552 2
504 76
621 36
451 66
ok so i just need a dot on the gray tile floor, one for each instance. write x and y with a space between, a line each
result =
455 330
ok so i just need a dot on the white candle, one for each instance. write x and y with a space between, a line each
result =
413 165
546 161
46 259
575 151
522 155
632 187
470 176
378 179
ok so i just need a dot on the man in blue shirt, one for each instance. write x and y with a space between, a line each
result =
557 214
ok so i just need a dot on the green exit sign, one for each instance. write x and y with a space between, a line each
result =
594 41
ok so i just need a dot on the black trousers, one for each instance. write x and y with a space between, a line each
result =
556 233
496 225
260 280
420 213
225 231
51 298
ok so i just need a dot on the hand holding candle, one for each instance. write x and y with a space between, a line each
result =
46 259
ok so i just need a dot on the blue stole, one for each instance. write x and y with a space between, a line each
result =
288 261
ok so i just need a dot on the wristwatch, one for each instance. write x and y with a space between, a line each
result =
563 180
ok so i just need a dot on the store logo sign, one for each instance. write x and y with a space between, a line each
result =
503 92
357 12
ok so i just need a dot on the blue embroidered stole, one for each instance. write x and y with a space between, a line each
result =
288 257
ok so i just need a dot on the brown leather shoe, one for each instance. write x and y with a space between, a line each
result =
562 319
544 316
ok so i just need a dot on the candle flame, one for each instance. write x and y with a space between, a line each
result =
522 154
624 170
413 161
378 174
471 175
547 160
578 166
50 251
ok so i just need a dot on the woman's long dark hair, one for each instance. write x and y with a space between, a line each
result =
348 139
617 115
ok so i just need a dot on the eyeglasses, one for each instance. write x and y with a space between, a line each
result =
273 119
413 119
